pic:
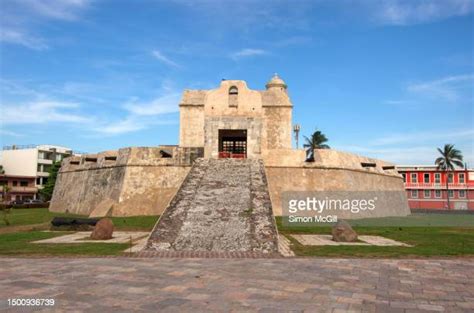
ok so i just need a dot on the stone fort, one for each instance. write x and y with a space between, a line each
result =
234 154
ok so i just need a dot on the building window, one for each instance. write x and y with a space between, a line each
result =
427 193
414 178
426 178
23 183
462 193
461 178
450 178
414 193
38 180
451 193
437 178
233 96
437 193
15 183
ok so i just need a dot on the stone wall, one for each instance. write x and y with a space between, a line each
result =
335 171
253 126
131 181
79 192
264 114
191 119
277 128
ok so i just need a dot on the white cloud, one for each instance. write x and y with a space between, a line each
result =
407 155
416 147
126 125
41 112
55 9
19 37
449 88
162 58
20 19
161 105
247 53
5 132
416 137
129 124
412 155
144 114
403 12
41 109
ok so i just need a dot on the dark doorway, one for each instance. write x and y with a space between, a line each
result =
233 143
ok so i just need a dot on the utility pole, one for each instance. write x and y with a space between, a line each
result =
296 130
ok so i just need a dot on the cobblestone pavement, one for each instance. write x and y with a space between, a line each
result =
250 285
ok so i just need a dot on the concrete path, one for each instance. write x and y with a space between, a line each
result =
240 285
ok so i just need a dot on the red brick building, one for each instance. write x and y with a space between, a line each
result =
20 188
426 187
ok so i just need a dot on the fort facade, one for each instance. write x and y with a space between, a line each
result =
231 121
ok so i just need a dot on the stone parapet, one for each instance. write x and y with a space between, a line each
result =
328 159
124 182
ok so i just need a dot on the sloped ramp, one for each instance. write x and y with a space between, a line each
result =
222 206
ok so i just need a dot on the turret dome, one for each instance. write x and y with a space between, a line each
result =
276 82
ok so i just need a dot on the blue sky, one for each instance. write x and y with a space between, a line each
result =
388 79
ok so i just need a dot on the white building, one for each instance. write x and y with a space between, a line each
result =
32 160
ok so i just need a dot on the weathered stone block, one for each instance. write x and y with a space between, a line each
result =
343 232
103 230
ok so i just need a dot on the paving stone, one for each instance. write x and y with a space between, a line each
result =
239 285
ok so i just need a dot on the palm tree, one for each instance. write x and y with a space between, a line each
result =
450 157
317 140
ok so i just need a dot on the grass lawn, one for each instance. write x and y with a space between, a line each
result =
25 226
426 240
430 235
20 217
17 244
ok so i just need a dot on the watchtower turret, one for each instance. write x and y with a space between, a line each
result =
276 83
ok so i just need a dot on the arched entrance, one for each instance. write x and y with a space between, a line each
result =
233 143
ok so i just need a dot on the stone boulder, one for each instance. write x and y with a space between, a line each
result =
103 230
343 232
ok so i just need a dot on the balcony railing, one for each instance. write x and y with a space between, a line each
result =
436 185
45 161
230 155
20 189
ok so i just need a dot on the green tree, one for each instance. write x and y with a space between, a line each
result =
47 191
6 209
450 157
2 171
317 140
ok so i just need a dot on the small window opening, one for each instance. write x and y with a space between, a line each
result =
165 154
233 90
233 96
